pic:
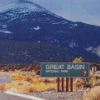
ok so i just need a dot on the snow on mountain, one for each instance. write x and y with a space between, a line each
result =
4 26
97 50
62 22
89 49
5 31
37 28
22 8
24 5
73 25
73 44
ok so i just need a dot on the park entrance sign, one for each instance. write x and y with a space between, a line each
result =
68 70
62 69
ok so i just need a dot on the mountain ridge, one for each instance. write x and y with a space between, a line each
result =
45 27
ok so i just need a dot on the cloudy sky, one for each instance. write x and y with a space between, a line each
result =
87 11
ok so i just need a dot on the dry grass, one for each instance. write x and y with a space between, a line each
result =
42 86
81 83
2 87
92 94
91 73
26 82
27 87
29 82
20 87
96 83
97 73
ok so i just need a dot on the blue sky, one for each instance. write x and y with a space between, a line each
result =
87 11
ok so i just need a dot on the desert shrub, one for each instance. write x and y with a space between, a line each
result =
37 67
24 69
2 87
96 83
11 69
20 87
6 70
92 94
30 89
50 88
81 83
17 77
38 72
20 83
28 79
25 87
16 67
29 68
42 86
46 80
94 78
77 60
91 73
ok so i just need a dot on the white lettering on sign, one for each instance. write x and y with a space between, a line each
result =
64 71
75 67
54 66
52 71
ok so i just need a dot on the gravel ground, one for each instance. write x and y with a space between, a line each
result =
52 95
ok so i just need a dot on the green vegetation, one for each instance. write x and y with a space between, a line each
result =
31 53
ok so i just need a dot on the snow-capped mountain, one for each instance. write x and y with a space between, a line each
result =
23 6
25 21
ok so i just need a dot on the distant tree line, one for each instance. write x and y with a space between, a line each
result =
13 67
37 67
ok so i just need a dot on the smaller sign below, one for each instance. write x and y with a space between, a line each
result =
59 69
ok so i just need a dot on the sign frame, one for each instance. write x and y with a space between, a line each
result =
87 76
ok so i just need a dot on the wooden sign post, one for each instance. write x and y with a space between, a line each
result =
58 81
67 85
62 84
71 84
67 79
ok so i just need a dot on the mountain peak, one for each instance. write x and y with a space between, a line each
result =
22 6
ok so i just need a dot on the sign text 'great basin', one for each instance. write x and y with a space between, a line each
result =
59 69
